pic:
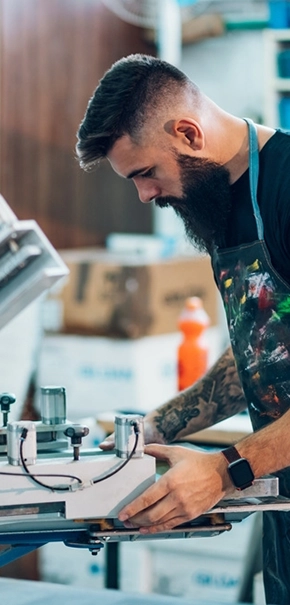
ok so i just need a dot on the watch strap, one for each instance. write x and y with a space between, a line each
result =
239 468
231 454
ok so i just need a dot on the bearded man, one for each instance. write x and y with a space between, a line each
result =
229 180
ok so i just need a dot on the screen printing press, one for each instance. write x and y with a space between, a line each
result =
51 487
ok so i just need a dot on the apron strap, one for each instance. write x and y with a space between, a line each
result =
254 174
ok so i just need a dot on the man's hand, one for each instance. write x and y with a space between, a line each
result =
108 443
195 482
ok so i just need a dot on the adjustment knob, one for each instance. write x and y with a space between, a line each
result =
6 400
76 432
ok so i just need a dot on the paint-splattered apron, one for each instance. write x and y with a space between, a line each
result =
257 305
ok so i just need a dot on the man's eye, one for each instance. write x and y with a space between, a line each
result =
148 174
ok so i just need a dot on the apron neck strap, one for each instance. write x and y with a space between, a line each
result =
254 174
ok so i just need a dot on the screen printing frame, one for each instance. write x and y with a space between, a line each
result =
29 264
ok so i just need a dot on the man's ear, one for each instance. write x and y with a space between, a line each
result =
190 133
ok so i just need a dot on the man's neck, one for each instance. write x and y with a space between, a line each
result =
240 162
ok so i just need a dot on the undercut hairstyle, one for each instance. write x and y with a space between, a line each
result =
127 95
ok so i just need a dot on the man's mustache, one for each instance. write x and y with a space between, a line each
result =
164 202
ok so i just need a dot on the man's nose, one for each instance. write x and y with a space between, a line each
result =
148 193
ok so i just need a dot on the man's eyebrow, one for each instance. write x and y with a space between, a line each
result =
137 172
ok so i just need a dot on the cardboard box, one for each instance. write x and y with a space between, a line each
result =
107 294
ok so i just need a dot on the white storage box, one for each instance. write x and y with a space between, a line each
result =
61 564
259 591
103 374
19 352
206 569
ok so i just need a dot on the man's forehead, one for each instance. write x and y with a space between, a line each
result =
123 143
127 156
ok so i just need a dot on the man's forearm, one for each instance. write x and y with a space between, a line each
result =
218 395
268 450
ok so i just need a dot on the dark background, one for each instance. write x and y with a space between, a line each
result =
53 52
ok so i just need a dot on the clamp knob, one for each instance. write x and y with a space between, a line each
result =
6 400
76 432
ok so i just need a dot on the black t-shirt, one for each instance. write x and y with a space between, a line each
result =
274 204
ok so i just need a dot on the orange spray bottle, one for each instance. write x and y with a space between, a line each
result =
193 350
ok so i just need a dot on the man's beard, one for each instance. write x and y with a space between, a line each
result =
206 201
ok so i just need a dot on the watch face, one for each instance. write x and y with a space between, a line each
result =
241 473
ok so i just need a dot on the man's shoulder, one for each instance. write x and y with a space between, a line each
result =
278 143
275 160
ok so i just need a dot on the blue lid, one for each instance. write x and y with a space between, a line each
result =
186 2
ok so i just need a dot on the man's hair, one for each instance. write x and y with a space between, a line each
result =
126 96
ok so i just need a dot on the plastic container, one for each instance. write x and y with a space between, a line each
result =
279 14
193 352
284 112
283 61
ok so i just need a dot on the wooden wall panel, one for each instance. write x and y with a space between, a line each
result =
53 53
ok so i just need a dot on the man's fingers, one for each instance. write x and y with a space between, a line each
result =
152 495
163 526
160 512
161 452
108 443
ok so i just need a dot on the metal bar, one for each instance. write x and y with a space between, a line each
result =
112 552
41 536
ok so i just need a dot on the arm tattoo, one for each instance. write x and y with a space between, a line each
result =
218 395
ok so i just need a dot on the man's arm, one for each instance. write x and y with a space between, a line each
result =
218 395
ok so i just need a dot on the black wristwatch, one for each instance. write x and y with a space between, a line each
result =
239 468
